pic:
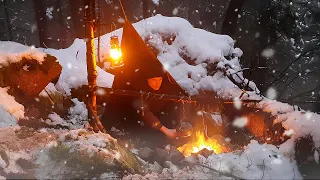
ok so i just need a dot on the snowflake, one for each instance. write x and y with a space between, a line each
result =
156 2
49 12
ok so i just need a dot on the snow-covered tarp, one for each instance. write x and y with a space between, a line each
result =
198 60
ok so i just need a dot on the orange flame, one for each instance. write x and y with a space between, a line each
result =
200 144
116 54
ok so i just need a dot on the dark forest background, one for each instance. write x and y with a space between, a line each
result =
280 38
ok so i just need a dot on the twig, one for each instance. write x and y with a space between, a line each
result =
95 121
294 174
263 167
219 172
304 93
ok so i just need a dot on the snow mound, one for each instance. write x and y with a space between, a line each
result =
72 60
81 139
8 58
257 161
82 154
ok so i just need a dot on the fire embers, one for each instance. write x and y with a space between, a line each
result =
261 125
236 128
250 123
256 124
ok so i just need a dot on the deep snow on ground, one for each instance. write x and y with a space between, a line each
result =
188 54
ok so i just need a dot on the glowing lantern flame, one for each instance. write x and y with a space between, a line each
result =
115 54
200 144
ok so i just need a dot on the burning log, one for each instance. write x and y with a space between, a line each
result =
204 152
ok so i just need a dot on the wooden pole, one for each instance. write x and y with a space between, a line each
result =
99 31
208 102
91 67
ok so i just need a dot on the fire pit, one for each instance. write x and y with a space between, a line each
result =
200 142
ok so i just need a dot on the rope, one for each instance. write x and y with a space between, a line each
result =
124 13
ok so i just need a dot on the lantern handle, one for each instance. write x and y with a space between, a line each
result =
111 28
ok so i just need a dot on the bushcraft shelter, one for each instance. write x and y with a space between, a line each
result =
140 64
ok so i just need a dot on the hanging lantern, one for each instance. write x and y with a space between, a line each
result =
115 52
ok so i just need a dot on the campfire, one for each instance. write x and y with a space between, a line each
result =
201 142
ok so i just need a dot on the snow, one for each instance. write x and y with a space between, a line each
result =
72 59
74 72
155 171
240 122
80 139
78 114
74 154
8 103
156 2
6 119
7 57
12 166
257 161
3 164
49 12
108 175
188 41
271 93
55 119
268 53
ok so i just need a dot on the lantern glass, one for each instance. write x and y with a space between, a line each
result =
115 53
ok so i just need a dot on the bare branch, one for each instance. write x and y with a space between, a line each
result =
298 58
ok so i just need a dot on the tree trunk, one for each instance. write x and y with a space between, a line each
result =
41 21
7 19
230 22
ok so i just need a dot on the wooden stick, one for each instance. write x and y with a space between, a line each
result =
188 99
210 103
91 66
96 120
